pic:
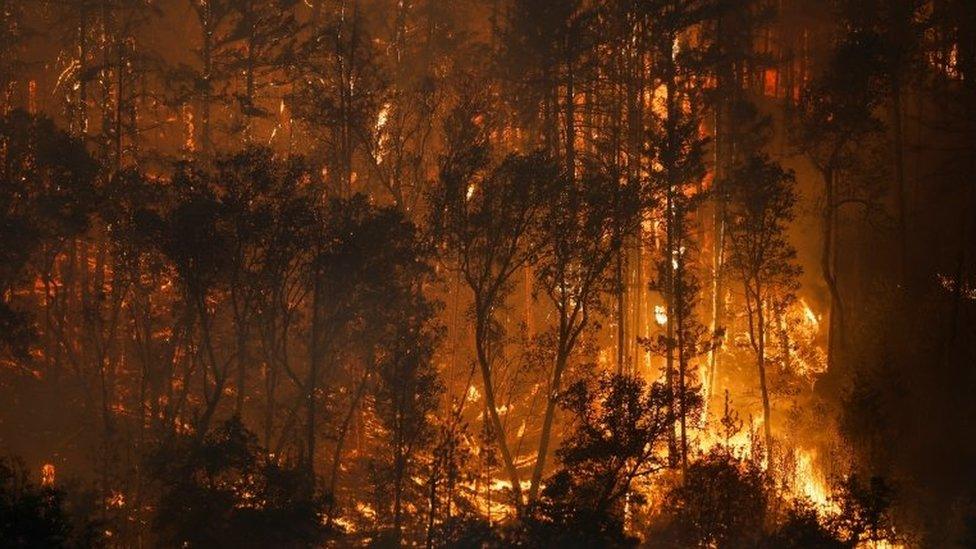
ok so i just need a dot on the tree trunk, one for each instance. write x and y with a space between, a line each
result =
343 432
671 237
570 108
207 78
547 422
761 356
481 347
835 328
899 146
312 380
682 368
398 495
619 289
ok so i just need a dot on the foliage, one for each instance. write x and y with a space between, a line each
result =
47 195
803 526
865 509
621 423
721 502
33 516
225 491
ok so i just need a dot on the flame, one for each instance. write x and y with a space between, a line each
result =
189 143
660 315
117 500
810 481
382 117
812 319
48 473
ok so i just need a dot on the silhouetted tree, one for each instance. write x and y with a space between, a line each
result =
677 146
836 115
47 194
340 91
225 491
621 426
33 516
548 56
803 526
261 46
721 503
407 387
577 244
761 201
865 509
484 213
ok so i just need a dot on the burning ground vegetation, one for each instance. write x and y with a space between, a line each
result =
487 273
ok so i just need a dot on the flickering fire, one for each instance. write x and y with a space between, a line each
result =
251 234
48 474
660 315
811 482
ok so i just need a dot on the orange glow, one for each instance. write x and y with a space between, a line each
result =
48 474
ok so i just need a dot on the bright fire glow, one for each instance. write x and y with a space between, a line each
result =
48 474
660 315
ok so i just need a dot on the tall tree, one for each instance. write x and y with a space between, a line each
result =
407 392
14 34
576 248
47 195
340 92
548 47
679 148
761 201
484 212
836 115
264 46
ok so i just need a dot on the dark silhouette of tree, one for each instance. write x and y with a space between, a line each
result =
865 509
484 213
548 47
621 426
678 148
761 202
225 491
47 194
576 247
340 91
731 33
194 236
256 190
209 81
261 44
803 526
407 386
424 51
466 532
368 268
836 115
14 34
37 516
720 503
448 512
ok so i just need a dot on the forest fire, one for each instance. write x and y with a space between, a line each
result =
487 273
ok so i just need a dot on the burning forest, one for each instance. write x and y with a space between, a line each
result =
487 273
